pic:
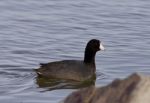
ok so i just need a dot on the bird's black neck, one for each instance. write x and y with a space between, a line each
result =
89 56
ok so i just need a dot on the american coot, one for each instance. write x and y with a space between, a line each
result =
73 69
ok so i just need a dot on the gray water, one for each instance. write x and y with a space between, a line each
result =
40 31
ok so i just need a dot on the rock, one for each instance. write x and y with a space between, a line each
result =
134 89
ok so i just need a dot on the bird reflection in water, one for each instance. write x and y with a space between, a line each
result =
54 83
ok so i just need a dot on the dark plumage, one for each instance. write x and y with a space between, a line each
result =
73 69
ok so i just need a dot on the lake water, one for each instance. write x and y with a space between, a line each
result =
35 31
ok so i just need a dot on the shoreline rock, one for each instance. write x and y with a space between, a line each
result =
134 89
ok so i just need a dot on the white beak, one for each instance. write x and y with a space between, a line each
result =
101 47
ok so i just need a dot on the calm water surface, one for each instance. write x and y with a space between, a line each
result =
35 31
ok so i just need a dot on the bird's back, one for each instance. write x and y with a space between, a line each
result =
67 69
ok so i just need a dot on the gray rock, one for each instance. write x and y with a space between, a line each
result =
134 89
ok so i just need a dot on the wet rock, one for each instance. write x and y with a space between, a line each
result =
134 89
